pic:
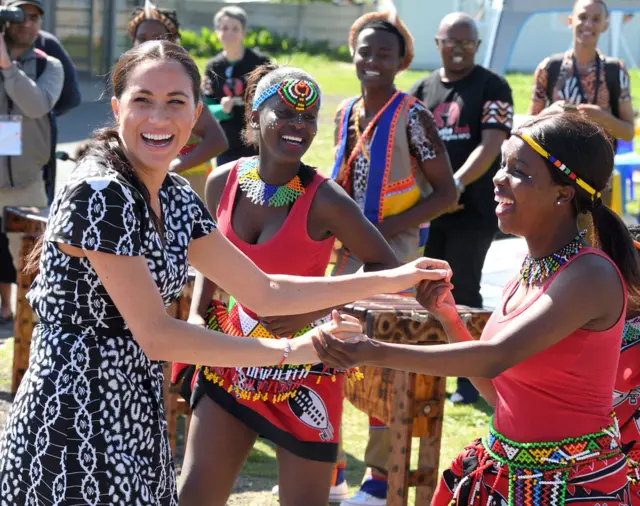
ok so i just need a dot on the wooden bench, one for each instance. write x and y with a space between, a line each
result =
412 405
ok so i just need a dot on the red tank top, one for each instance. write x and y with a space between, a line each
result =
563 391
291 250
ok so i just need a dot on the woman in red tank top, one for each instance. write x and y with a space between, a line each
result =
285 217
548 357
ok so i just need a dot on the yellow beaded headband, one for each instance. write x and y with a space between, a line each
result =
557 163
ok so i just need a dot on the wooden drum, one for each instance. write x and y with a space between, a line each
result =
410 404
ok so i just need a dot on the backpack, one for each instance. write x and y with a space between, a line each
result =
611 74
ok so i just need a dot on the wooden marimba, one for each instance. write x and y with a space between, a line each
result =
412 405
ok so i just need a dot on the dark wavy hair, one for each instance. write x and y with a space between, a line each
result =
105 144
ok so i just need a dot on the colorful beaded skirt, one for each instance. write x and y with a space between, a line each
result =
590 470
274 383
538 472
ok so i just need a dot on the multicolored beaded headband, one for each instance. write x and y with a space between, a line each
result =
296 93
557 163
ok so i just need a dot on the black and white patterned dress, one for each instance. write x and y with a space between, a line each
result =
87 425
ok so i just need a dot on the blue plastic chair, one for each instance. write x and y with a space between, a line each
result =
626 164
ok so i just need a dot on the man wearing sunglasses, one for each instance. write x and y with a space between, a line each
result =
473 109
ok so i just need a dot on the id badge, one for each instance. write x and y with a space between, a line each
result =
10 135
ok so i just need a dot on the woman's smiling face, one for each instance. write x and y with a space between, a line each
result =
156 113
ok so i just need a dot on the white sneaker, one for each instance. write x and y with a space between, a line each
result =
364 499
336 494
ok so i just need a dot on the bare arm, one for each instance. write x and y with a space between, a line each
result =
554 315
620 128
162 337
213 141
539 93
232 271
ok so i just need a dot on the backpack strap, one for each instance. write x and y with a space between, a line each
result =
41 62
612 77
553 71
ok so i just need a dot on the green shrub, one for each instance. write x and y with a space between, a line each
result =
206 44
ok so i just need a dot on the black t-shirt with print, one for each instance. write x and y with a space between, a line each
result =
462 109
225 79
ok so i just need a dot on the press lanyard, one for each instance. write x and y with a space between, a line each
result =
576 74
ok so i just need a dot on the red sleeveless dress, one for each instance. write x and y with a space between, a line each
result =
545 405
296 407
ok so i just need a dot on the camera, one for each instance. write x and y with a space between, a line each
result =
10 15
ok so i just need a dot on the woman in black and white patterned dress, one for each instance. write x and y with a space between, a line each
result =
87 425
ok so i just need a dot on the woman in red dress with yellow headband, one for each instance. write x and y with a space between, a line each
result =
548 357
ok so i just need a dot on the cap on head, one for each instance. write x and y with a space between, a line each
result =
18 3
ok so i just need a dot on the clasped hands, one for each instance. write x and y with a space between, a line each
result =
342 344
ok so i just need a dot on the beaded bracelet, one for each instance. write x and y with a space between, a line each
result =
287 350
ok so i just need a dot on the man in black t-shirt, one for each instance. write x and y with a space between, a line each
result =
225 80
473 109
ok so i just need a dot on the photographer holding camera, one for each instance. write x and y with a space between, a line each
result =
30 85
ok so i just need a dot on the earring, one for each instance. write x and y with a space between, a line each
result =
558 203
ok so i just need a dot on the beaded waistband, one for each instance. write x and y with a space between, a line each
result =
549 456
538 472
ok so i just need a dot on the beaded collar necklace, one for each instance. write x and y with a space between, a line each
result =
537 270
264 194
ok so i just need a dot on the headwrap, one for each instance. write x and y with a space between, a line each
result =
151 13
390 15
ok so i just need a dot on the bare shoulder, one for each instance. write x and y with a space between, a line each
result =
591 277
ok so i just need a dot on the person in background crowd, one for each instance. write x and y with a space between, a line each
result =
397 193
473 108
225 80
30 87
70 98
208 139
598 85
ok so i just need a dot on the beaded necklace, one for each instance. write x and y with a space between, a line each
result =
264 194
537 270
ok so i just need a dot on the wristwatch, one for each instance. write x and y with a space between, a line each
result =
459 185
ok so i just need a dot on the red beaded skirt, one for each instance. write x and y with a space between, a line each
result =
296 407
